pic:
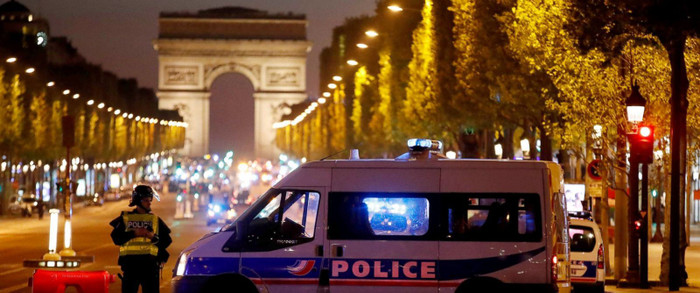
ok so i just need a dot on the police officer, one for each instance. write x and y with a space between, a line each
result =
143 238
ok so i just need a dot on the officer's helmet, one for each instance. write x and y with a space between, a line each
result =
140 192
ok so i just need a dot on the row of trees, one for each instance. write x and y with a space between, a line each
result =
31 114
475 73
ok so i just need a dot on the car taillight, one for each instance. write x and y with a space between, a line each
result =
601 261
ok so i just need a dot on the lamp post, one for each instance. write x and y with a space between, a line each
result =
659 157
635 114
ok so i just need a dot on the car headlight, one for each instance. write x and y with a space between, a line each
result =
182 264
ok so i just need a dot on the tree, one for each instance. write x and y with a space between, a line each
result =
607 25
17 117
40 119
592 87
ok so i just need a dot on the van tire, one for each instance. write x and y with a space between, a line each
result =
229 283
480 285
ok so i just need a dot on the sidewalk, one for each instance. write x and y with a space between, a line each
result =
692 262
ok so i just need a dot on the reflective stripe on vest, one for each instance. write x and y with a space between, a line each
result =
139 245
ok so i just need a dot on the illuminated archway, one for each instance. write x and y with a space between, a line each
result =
195 49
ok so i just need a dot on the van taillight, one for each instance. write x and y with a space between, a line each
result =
555 260
601 261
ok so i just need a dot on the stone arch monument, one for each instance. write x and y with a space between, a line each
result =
196 48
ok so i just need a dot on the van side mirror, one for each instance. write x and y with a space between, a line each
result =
240 230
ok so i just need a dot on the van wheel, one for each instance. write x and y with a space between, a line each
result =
480 285
229 283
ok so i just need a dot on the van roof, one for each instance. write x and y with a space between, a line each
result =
439 163
317 172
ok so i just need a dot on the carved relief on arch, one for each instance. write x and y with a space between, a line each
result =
212 71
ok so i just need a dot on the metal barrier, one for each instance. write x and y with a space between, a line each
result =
49 281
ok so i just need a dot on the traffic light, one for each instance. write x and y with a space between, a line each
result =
642 145
59 187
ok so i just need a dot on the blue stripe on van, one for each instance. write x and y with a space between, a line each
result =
467 268
305 268
211 265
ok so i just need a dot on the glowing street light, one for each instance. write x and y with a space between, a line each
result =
371 33
395 8
362 45
30 70
322 100
635 105
332 86
352 62
337 78
327 94
11 60
50 83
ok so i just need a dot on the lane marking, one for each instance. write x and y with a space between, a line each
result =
14 288
13 271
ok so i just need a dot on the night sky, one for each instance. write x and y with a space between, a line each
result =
118 35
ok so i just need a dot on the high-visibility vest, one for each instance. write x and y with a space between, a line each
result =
139 245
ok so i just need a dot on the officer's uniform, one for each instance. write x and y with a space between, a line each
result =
140 257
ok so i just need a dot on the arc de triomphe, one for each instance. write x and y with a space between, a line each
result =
196 48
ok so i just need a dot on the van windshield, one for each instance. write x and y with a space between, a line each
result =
253 210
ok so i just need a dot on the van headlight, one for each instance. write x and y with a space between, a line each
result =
182 264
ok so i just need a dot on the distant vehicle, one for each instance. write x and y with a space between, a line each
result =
220 212
587 255
116 194
97 199
29 205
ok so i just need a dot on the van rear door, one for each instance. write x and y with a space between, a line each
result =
493 226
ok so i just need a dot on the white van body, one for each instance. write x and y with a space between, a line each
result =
393 226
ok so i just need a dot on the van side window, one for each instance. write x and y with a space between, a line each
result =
493 217
377 216
273 228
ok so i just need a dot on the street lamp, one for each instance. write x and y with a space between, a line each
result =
362 45
371 33
395 8
637 272
635 105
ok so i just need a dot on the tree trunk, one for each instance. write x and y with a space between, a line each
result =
488 144
604 209
508 150
621 197
675 46
545 144
469 144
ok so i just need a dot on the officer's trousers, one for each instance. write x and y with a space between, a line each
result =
145 275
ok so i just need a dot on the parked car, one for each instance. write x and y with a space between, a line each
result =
587 255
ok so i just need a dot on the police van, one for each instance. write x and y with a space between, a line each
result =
417 223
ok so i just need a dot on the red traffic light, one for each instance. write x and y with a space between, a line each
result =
645 131
637 225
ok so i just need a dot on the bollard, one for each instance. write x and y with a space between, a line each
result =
46 281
